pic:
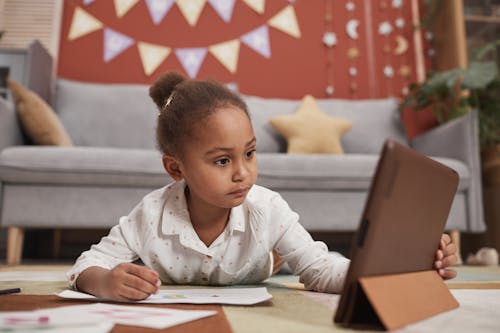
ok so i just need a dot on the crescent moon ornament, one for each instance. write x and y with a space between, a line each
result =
351 29
401 45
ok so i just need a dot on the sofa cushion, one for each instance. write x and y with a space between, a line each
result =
330 172
83 165
38 120
107 115
374 120
94 166
310 131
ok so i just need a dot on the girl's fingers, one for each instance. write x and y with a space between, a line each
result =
450 249
140 284
132 294
446 239
439 255
447 273
450 260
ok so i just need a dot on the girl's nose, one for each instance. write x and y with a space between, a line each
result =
240 171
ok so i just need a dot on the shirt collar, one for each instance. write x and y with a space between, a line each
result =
175 217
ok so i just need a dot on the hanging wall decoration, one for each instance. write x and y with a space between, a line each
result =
158 9
191 9
276 48
82 24
353 53
329 40
191 58
123 6
223 8
257 5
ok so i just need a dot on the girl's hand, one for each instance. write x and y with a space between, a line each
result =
128 281
446 256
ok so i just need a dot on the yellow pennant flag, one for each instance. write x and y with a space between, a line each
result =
152 56
227 53
123 6
83 23
286 21
257 5
191 9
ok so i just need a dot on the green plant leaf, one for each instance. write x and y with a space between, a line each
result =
483 51
479 75
442 80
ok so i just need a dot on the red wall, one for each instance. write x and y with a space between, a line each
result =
297 66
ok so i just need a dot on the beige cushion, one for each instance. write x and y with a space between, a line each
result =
39 121
310 131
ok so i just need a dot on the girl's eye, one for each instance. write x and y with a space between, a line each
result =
250 153
222 161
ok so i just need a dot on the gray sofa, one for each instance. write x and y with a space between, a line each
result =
114 162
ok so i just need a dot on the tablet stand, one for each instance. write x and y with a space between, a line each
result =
396 300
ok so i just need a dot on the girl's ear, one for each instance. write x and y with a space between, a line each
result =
171 165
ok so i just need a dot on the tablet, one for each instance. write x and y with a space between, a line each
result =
402 222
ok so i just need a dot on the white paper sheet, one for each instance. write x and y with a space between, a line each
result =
83 316
235 296
33 276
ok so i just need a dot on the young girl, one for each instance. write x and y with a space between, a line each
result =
213 225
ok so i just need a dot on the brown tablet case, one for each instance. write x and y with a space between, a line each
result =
391 281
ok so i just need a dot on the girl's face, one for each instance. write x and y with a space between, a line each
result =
219 165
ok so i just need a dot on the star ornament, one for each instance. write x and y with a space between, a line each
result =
311 131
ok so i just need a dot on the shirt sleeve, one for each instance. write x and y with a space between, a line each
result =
318 269
121 245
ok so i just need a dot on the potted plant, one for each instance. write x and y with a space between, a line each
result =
452 93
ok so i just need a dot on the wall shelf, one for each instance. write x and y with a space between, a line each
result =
483 19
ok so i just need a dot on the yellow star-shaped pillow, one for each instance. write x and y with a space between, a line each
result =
310 131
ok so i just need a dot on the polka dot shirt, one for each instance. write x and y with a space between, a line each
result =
158 231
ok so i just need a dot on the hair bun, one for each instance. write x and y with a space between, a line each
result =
164 86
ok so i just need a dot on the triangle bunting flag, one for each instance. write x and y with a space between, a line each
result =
191 59
123 6
224 8
258 40
227 53
191 9
115 43
286 21
82 24
158 9
152 56
257 5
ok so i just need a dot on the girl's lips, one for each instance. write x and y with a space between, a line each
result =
241 192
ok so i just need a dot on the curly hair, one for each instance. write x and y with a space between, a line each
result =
183 104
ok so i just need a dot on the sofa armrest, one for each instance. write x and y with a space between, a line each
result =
10 130
459 139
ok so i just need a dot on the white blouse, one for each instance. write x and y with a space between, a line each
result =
159 232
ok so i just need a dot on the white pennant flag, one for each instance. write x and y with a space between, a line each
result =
123 6
158 9
258 40
83 23
115 43
191 9
224 8
152 56
191 59
227 53
257 5
286 21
